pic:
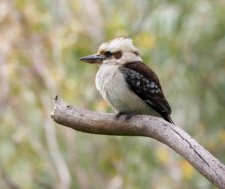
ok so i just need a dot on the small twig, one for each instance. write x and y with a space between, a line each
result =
142 125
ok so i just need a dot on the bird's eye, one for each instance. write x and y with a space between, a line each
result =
108 54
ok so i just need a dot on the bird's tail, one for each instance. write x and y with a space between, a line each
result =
168 118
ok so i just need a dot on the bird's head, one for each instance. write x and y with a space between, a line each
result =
117 51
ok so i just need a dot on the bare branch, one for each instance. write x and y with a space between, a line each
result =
141 125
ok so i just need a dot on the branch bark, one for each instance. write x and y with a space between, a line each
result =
142 125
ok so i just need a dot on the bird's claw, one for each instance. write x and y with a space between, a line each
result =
118 115
126 115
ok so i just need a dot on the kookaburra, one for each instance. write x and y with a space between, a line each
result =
126 83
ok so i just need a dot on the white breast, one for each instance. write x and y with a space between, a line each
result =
113 87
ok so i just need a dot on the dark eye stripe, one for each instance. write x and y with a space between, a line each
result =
117 55
108 53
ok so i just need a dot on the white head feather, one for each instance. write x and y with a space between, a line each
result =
118 44
125 45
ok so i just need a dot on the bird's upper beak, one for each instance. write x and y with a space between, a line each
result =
94 59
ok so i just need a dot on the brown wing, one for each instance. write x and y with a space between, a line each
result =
145 83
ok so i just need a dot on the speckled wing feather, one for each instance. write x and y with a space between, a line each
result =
144 82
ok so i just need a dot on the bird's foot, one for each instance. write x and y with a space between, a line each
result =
126 115
119 114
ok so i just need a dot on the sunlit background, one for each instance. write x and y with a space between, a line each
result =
40 44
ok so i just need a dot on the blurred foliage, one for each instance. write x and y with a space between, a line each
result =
40 44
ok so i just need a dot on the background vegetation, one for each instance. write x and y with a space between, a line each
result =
40 44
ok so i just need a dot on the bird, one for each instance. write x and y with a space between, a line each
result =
128 85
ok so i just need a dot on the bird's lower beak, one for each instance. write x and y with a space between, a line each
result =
94 59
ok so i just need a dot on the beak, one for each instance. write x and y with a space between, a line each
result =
95 58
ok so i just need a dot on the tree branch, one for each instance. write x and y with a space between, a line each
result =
142 125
